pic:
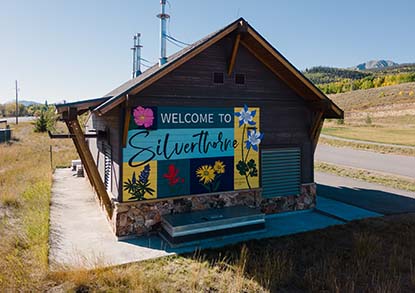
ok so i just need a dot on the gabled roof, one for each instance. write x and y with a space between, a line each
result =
81 106
251 40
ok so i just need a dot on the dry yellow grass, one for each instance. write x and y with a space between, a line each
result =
397 182
25 184
368 147
374 255
364 99
390 135
384 115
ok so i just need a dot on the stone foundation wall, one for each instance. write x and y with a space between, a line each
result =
139 218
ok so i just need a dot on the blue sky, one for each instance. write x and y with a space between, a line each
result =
78 49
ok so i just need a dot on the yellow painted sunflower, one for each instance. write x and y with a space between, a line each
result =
206 174
219 167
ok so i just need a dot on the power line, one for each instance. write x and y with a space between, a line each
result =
145 60
174 43
176 40
147 66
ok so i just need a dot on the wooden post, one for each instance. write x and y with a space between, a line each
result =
316 128
89 164
126 125
51 161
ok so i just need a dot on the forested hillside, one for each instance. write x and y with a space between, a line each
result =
338 80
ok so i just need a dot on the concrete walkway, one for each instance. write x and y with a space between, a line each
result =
81 237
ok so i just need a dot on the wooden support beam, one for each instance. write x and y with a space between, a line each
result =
126 126
317 134
292 69
321 105
316 128
101 134
89 164
270 67
81 154
317 118
234 53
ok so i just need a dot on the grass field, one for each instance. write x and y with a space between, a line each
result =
374 255
392 135
25 184
366 175
382 115
368 147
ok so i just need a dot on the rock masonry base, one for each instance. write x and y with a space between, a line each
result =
144 217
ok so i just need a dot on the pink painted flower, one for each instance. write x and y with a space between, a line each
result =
143 116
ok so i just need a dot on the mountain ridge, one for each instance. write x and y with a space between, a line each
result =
375 64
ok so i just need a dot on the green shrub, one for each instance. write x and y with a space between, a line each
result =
46 120
340 121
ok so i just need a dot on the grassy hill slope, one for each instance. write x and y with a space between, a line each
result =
385 96
384 115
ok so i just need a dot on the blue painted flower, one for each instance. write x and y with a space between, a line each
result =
245 116
145 174
134 180
254 139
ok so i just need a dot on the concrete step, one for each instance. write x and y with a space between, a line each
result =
179 228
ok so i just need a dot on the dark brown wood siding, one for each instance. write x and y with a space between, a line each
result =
285 117
110 123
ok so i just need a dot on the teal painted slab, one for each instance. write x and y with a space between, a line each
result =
343 211
166 144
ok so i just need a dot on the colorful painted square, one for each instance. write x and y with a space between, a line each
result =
173 178
140 183
143 118
247 153
211 175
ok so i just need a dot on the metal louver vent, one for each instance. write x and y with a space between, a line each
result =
281 172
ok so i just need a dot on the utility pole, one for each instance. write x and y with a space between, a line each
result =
17 104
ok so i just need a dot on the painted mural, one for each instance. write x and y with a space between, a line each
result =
175 151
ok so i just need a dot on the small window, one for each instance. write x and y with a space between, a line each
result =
218 77
239 78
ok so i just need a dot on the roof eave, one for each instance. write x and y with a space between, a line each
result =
80 105
333 111
169 66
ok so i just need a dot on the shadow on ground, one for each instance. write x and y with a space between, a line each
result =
342 258
370 199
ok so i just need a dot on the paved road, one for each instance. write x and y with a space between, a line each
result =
12 120
369 196
367 142
385 163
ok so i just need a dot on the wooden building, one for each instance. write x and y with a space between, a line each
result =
225 122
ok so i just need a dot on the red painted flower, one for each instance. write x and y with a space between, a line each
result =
171 175
143 116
